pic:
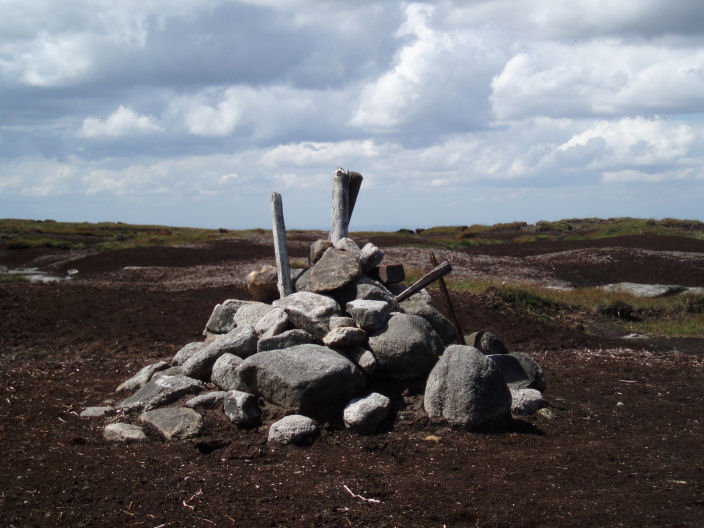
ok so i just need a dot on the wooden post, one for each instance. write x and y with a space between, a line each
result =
433 275
355 183
340 205
448 301
282 266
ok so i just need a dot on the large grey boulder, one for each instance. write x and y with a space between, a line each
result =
520 371
364 415
310 311
345 337
368 314
186 352
287 339
161 391
224 371
309 378
486 342
334 270
526 401
143 375
122 432
348 245
406 348
222 319
444 328
241 408
465 388
272 323
174 423
294 429
240 341
249 314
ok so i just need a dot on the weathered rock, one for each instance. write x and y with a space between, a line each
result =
222 319
364 415
302 281
345 337
526 401
294 429
363 358
520 371
317 249
406 348
287 339
310 311
369 315
366 288
241 341
122 432
391 274
250 314
348 245
272 323
96 412
486 342
338 321
223 373
241 408
465 388
262 284
444 328
186 352
370 256
161 391
174 423
207 400
305 377
143 376
333 271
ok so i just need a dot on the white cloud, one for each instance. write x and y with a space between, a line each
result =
124 121
319 154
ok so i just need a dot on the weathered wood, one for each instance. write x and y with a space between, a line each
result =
448 301
355 183
280 247
340 205
433 275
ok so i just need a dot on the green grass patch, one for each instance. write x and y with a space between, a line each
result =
681 325
10 278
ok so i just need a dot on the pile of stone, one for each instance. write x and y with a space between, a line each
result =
336 349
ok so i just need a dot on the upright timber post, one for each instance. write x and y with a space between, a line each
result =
355 184
340 205
283 269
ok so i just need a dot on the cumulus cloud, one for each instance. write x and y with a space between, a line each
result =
121 122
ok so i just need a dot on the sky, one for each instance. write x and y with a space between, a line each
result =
192 113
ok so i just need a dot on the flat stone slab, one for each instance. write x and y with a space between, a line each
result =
310 311
287 339
186 352
645 290
96 412
161 391
174 423
207 400
294 429
122 432
143 375
369 314
240 341
345 337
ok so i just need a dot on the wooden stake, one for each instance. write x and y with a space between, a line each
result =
448 301
433 275
340 205
283 269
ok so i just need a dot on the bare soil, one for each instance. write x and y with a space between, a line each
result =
620 444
